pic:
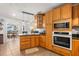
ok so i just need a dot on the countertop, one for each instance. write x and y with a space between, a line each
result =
30 34
77 38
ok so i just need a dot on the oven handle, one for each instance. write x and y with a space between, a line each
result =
63 36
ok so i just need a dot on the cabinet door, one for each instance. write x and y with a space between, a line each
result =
75 47
75 21
32 41
49 42
1 38
56 14
49 31
66 11
40 21
24 42
42 41
61 51
49 17
37 40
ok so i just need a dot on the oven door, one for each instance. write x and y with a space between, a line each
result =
63 41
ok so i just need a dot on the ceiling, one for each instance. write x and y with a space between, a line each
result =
13 10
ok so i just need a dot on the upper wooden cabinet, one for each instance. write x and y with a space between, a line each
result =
66 11
75 15
49 18
39 18
56 14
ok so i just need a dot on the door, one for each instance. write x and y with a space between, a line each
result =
75 47
66 11
32 41
56 14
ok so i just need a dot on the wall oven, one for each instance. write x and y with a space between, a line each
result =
59 25
62 39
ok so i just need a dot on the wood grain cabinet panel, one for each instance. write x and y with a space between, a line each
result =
24 42
56 14
1 38
49 30
66 11
61 51
43 41
75 15
75 22
32 41
75 47
24 46
37 40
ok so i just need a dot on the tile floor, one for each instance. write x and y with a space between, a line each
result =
11 48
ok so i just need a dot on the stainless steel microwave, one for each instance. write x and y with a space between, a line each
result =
60 25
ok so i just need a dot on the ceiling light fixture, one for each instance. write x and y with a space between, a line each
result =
13 14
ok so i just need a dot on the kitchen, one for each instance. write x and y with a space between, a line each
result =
53 32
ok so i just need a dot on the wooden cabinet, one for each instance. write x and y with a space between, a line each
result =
33 41
49 30
75 47
49 42
24 42
75 15
61 51
29 41
37 40
39 18
75 22
43 41
1 38
66 11
56 14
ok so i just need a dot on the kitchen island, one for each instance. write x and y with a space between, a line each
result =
30 41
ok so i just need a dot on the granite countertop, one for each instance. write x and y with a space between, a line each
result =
30 34
75 38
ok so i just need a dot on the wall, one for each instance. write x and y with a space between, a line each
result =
28 22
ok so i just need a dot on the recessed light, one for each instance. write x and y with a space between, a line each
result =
13 14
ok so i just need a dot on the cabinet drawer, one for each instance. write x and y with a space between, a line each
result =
61 51
26 40
24 43
66 11
24 46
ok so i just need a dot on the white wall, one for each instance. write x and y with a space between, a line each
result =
29 22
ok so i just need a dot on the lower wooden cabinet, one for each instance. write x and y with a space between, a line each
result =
43 41
1 38
49 42
24 42
75 47
29 41
32 41
37 40
61 51
24 46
